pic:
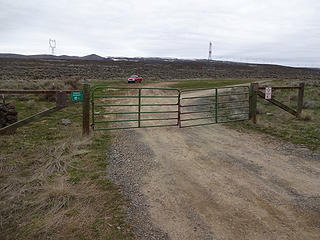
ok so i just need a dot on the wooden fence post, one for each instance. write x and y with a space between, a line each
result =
254 87
250 100
86 110
61 99
300 99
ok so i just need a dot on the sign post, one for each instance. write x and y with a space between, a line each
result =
254 87
86 109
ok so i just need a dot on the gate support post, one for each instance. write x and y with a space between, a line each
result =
216 105
179 110
300 99
139 109
86 110
254 87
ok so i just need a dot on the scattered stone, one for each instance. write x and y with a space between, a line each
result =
127 167
65 122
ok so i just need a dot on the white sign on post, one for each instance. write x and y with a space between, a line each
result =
268 93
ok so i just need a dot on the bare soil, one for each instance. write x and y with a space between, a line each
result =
213 182
216 183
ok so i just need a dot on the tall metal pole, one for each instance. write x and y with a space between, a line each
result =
210 52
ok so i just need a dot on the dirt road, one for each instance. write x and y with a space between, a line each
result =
213 182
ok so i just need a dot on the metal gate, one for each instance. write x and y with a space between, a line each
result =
135 107
200 107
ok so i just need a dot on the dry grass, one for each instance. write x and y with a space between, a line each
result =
53 183
277 122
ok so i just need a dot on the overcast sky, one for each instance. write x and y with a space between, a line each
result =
270 31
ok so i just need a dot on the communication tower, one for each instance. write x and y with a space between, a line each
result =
210 52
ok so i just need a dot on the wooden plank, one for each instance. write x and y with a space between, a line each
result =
300 98
279 88
29 119
279 104
61 102
4 91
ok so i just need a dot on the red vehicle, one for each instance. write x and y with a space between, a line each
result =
134 78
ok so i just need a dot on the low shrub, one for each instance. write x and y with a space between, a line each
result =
309 104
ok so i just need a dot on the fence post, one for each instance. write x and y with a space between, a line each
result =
86 110
250 100
92 107
139 109
253 102
216 105
179 109
61 99
300 99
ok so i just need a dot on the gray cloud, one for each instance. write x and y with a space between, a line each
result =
273 31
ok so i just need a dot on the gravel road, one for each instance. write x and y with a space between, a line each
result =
213 182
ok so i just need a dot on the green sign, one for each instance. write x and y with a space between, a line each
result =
77 96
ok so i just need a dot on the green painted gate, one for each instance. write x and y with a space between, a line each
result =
142 107
200 107
134 107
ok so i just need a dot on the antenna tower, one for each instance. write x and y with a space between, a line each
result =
210 52
52 45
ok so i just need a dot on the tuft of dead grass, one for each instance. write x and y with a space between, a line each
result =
275 121
307 117
57 158
53 184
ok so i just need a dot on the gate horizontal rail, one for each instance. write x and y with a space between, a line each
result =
219 105
194 107
98 92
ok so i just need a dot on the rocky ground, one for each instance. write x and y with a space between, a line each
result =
201 184
213 182
129 163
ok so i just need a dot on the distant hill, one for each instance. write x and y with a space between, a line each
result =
17 67
95 57
47 56
92 57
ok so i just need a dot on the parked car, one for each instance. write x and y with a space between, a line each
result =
134 78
